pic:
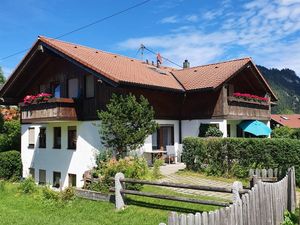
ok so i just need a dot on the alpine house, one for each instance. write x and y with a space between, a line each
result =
59 136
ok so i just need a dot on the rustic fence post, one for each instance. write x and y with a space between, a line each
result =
253 181
118 195
236 187
291 190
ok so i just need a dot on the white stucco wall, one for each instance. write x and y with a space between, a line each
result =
190 128
61 160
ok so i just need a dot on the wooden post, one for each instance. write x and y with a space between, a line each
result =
236 187
118 195
253 181
291 190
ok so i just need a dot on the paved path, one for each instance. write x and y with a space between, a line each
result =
169 172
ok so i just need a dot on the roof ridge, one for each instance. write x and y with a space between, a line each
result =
84 46
217 63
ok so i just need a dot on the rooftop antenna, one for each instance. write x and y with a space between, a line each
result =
142 48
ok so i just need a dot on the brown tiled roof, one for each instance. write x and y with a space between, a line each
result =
115 67
292 121
124 70
209 76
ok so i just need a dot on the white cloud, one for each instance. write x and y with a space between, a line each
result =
266 30
170 19
192 18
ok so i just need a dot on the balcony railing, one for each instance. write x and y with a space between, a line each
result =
239 108
55 109
232 99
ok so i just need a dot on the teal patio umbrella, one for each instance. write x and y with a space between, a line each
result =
255 127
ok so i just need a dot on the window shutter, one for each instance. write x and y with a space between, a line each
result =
31 136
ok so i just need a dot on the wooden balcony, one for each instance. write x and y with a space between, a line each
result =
248 109
56 109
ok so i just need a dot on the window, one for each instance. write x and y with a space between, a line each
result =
32 172
31 137
72 180
165 136
42 177
56 179
72 137
73 88
89 86
55 88
154 140
42 137
57 137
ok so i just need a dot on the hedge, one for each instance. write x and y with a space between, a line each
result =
10 165
10 136
235 156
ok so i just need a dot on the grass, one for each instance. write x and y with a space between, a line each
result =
214 178
22 209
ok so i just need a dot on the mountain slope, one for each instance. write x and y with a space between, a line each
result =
286 85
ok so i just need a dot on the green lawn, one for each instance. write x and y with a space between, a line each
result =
21 209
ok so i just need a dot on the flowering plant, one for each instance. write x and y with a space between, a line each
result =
42 97
250 97
28 99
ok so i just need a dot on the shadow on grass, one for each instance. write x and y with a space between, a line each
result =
130 201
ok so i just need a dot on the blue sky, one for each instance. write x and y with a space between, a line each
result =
202 31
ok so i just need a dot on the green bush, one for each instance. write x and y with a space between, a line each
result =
68 194
235 156
49 194
131 167
291 218
10 137
156 174
213 132
28 186
282 132
10 165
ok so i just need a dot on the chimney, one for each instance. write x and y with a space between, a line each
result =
186 64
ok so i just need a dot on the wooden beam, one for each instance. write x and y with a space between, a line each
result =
174 198
176 185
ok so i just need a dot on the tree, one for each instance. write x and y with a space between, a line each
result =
2 77
126 123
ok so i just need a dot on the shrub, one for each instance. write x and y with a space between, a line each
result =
131 167
290 218
156 168
49 194
28 186
10 137
235 156
213 132
67 194
282 132
10 165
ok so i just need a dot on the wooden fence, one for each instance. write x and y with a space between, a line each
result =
264 204
120 191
